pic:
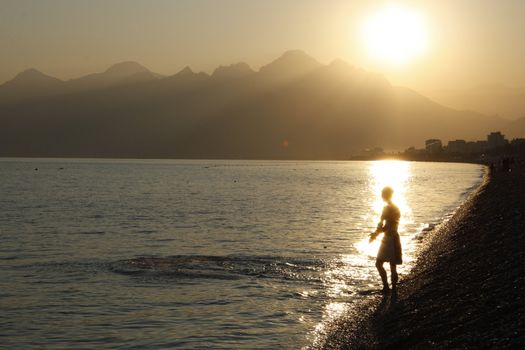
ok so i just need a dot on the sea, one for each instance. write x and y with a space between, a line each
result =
201 254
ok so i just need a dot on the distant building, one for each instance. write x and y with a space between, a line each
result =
372 152
378 151
471 147
517 142
433 146
496 144
496 140
457 146
413 151
480 146
518 145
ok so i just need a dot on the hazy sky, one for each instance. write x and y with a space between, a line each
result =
470 42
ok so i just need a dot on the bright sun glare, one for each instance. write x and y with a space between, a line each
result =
395 34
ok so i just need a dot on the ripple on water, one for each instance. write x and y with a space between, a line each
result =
221 267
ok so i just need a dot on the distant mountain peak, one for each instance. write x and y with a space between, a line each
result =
30 72
32 76
118 74
126 68
292 62
187 75
296 53
186 71
236 70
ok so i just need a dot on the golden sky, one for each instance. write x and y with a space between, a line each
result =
467 42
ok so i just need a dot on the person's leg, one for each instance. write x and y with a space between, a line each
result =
393 273
382 273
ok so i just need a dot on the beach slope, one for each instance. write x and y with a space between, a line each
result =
467 289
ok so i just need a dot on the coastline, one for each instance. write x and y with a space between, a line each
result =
467 287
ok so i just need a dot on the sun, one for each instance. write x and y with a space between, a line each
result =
395 34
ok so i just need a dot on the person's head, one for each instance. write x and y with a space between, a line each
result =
387 193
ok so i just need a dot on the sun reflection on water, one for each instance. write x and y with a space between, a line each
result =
391 173
395 174
350 270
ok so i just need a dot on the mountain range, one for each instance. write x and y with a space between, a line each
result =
291 108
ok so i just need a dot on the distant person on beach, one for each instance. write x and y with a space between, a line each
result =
505 164
390 249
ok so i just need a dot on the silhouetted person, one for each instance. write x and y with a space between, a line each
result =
505 164
390 249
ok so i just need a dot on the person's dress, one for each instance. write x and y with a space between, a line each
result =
390 248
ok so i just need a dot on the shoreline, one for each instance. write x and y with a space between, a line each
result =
108 159
467 287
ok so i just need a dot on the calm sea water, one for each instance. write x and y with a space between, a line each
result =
100 254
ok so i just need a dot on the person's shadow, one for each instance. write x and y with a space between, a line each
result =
388 302
393 298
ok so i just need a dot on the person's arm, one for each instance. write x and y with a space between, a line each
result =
379 228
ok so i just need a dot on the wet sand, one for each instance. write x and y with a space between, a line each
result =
467 289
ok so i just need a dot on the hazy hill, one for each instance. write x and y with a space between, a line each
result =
233 71
118 74
293 108
291 65
499 100
30 83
